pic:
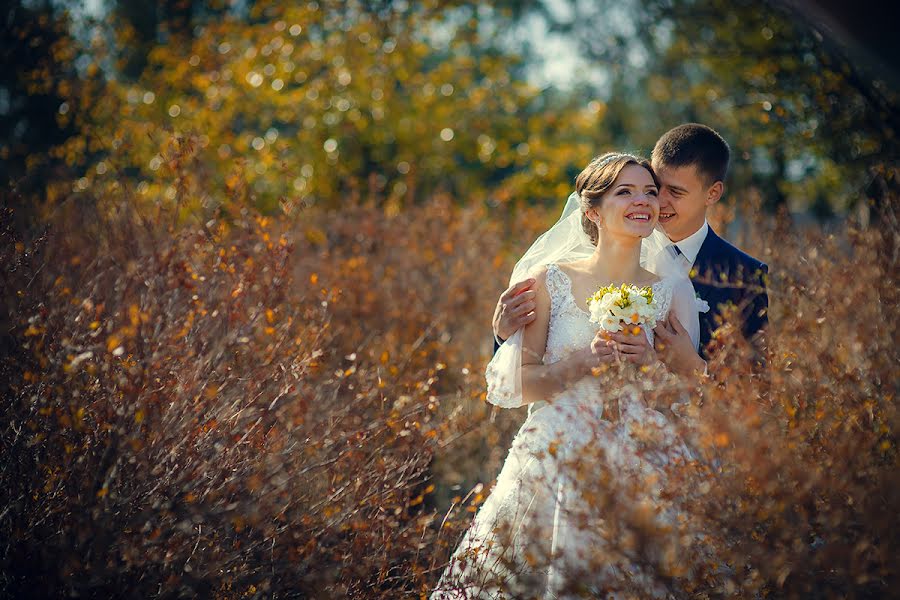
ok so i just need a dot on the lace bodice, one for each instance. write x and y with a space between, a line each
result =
570 327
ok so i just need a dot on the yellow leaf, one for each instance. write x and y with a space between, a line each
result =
315 236
113 342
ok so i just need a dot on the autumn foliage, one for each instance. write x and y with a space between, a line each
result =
246 300
292 405
245 406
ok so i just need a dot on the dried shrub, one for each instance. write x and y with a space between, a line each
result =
245 407
250 405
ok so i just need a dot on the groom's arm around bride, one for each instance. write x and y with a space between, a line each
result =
691 163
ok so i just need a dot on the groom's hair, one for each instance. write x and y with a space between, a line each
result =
694 144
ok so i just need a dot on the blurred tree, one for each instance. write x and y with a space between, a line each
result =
799 114
392 100
39 70
143 25
308 104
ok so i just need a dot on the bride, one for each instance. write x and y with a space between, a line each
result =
545 529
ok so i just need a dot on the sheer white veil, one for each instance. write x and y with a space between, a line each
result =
565 242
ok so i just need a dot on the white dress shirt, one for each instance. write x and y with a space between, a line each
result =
660 255
684 258
690 246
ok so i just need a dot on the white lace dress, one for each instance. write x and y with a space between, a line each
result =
538 528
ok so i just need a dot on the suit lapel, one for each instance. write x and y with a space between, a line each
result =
706 268
706 264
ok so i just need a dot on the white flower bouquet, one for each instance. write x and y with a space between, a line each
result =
615 308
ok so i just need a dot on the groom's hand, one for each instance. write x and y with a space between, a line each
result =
675 348
515 309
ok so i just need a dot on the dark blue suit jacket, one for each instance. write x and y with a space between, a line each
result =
722 274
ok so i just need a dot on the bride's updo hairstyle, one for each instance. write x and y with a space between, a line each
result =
596 179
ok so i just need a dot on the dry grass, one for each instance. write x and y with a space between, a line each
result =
292 407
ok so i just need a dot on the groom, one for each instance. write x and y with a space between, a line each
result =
691 162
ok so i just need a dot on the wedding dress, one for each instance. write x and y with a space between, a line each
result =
539 529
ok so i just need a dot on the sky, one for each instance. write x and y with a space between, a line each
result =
560 63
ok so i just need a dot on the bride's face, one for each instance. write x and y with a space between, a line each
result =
631 205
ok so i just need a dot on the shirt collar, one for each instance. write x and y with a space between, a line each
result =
690 246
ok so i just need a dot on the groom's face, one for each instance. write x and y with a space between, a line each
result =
683 199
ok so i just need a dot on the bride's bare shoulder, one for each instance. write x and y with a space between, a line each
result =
576 266
540 276
649 277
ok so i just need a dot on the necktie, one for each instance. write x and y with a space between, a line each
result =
679 256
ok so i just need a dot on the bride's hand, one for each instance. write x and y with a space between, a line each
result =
634 346
603 349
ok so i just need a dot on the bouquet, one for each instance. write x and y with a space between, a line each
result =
615 308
